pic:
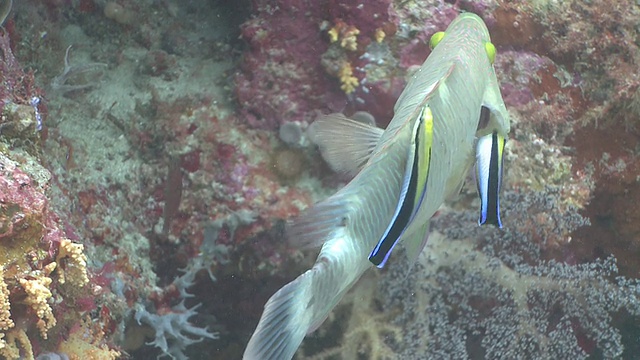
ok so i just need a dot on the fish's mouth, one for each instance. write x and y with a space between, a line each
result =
485 115
490 120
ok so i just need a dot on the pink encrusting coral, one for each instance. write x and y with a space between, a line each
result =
305 58
281 77
18 86
43 273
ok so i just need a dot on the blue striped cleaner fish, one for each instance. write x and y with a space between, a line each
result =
402 176
489 177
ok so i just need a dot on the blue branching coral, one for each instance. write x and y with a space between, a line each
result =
485 293
174 332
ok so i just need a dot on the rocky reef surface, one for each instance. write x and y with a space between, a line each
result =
151 152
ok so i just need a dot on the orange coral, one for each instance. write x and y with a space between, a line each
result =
334 34
348 35
350 39
5 320
347 80
73 263
87 342
38 294
380 35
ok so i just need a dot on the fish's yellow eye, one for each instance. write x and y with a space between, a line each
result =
435 39
491 51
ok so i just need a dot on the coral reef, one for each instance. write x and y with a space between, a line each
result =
286 52
154 173
65 81
86 341
571 82
128 201
484 293
43 273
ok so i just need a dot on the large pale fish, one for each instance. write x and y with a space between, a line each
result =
404 173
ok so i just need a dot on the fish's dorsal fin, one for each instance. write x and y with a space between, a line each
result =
418 92
345 144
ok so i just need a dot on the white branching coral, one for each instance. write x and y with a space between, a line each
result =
173 331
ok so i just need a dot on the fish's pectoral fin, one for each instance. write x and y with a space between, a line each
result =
314 226
415 243
489 161
413 189
345 144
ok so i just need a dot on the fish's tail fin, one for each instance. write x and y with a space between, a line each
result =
284 322
303 305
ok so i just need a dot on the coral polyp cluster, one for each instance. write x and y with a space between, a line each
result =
345 35
379 35
348 82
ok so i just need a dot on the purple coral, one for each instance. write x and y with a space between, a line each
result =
484 293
